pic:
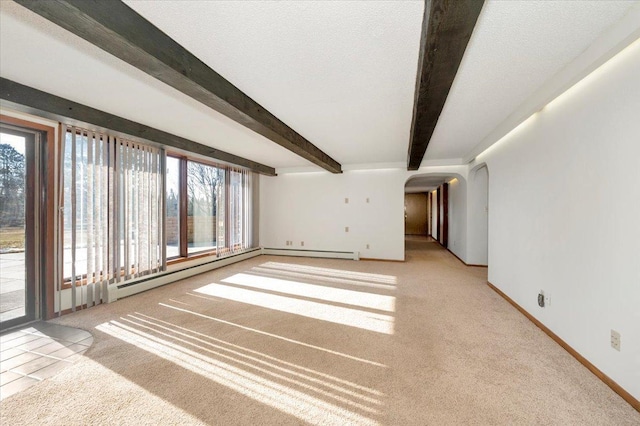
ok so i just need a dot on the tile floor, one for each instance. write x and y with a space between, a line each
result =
11 285
40 350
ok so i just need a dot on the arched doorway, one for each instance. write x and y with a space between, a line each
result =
429 210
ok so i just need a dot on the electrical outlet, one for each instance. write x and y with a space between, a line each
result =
367 246
367 200
541 299
346 229
547 299
346 201
615 340
302 243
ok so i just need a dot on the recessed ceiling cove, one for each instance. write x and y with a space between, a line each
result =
515 48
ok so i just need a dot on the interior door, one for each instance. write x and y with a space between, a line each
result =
415 214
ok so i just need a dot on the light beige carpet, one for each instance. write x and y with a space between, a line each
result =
277 340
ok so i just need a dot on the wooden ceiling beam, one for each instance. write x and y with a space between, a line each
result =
116 28
446 30
27 99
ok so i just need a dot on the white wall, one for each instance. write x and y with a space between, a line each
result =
564 216
310 207
477 220
457 240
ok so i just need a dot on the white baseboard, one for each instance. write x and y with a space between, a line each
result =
116 292
148 283
312 253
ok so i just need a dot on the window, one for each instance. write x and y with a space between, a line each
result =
172 220
214 208
113 201
205 190
127 208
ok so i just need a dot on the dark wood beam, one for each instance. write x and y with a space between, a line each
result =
116 28
446 30
30 100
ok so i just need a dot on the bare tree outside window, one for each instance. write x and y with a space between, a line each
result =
203 184
11 186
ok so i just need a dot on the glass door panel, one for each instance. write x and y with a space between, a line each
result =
17 278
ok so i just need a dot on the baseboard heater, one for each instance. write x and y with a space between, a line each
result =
312 253
148 283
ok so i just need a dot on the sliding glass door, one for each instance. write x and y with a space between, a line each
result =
18 233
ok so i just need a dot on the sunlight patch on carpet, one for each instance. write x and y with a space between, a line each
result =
275 336
320 292
338 273
190 356
279 273
365 320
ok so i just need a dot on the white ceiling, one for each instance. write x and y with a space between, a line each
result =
515 48
38 53
342 74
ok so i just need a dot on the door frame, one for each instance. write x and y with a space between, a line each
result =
43 213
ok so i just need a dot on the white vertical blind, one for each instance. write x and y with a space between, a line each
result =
239 210
113 212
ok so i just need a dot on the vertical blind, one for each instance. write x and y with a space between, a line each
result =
240 192
113 212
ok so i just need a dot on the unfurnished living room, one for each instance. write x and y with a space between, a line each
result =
416 212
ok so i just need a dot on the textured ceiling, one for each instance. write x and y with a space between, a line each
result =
516 46
342 73
38 53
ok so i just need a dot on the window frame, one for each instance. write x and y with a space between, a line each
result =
184 203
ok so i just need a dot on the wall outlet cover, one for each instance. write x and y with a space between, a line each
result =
615 340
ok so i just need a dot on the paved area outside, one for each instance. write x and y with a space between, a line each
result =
38 351
12 293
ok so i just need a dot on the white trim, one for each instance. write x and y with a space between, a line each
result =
301 169
157 280
398 165
312 253
374 166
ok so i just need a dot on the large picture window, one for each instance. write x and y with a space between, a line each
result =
208 208
205 199
128 207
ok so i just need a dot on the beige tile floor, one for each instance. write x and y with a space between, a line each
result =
31 354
